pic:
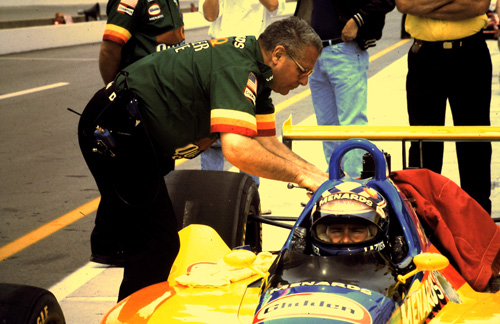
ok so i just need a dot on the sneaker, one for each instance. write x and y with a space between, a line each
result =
117 259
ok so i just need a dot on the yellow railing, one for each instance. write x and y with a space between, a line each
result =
390 133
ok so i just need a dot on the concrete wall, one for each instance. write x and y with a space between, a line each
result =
15 40
35 38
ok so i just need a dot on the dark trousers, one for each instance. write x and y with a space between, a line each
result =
135 209
462 75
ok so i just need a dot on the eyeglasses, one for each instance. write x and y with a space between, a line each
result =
302 69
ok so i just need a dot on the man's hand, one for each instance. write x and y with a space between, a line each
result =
350 31
312 181
270 5
210 9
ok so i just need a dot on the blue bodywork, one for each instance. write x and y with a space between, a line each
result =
305 288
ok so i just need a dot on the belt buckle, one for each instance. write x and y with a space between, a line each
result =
447 45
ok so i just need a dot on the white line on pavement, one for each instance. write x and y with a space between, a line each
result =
23 92
76 280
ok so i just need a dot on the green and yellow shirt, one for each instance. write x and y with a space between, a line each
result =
143 27
191 93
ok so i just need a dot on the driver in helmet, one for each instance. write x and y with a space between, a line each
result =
343 233
348 219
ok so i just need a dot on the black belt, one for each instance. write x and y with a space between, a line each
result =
330 42
451 44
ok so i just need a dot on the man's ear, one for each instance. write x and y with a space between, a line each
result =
278 53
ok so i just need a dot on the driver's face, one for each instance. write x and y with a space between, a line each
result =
347 233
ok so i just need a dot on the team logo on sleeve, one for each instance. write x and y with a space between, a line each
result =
251 88
125 9
154 10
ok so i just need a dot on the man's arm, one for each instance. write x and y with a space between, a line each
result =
270 5
110 57
249 155
444 9
367 11
210 9
273 145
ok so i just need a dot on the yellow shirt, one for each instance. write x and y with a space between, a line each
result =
433 30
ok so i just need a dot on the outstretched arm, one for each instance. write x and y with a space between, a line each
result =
273 145
270 160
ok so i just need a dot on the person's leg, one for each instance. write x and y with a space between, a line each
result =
323 98
426 94
470 106
106 244
150 234
351 92
339 94
151 244
212 158
135 209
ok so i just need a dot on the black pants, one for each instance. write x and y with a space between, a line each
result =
461 75
135 209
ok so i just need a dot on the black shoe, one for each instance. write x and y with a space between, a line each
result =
117 259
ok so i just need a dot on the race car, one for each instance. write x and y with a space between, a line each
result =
394 275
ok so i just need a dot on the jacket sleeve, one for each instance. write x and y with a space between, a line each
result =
372 10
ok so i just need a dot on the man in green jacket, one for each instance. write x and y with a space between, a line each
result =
181 100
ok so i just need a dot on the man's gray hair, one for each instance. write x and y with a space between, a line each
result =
293 33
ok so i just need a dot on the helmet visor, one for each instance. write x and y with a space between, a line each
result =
344 229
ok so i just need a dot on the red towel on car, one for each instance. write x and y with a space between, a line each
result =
462 226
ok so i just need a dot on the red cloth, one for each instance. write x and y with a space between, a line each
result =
462 226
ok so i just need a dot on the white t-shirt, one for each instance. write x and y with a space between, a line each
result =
241 17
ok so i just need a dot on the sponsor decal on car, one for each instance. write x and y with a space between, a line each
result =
424 303
367 292
317 305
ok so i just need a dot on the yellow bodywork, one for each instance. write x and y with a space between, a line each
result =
167 303
190 305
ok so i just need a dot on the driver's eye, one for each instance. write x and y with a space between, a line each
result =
334 230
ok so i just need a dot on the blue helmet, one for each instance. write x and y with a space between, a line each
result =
353 206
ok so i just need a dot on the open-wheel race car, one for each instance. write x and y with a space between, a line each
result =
395 275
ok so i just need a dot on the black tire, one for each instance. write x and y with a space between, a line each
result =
222 200
21 304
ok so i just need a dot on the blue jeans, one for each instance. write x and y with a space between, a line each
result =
213 159
339 94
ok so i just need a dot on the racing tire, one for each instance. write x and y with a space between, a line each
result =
225 201
20 304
